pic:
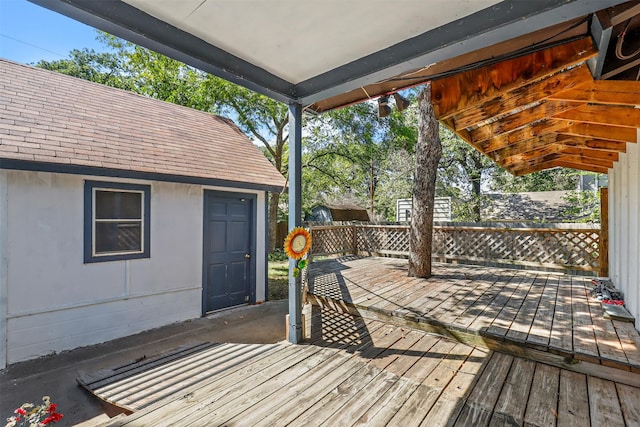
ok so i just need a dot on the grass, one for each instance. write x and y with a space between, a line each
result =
278 276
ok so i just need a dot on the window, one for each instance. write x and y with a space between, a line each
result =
116 221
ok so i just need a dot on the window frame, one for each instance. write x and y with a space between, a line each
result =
90 188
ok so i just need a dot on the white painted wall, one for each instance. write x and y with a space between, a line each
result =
55 302
624 227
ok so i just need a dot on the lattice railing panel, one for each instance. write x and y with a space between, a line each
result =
383 239
332 239
562 247
549 247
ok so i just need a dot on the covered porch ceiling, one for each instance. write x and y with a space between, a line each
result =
531 84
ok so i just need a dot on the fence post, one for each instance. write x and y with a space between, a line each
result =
354 237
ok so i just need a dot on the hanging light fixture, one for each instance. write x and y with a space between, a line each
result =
401 102
383 106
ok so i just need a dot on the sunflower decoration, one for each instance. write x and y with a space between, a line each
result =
296 246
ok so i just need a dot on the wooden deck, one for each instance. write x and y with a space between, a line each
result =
356 371
544 316
472 346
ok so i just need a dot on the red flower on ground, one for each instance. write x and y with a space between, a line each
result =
52 408
53 418
20 411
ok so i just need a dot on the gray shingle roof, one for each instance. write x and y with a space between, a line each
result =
50 118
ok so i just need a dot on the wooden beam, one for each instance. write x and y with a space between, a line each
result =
611 156
511 100
457 93
580 166
604 115
525 146
611 92
540 128
524 158
583 159
522 118
563 150
534 168
595 144
612 133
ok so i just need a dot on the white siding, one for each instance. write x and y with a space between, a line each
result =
624 227
56 302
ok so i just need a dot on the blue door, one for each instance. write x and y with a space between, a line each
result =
229 250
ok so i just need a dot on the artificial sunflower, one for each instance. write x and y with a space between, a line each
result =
297 243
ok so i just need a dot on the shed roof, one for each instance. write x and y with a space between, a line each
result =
54 122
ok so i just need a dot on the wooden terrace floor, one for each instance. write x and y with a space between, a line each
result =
356 371
545 316
472 346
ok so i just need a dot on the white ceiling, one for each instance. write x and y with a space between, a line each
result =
300 39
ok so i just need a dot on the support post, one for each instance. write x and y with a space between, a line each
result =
295 217
604 232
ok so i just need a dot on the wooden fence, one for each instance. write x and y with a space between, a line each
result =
573 250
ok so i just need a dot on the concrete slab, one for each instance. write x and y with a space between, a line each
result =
56 375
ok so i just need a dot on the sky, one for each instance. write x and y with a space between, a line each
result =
29 33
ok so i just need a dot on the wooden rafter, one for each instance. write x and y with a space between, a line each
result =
525 146
511 100
581 166
521 119
465 90
541 111
607 92
604 115
540 128
612 133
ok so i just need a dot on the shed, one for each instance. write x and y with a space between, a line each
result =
441 209
338 212
120 213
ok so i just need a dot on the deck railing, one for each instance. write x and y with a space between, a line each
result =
568 249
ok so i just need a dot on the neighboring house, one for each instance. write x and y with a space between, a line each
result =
441 209
338 212
120 213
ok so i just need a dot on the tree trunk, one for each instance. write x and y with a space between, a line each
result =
476 188
274 200
428 153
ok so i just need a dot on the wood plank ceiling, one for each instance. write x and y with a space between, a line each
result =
542 110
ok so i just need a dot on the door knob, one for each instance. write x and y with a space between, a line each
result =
247 255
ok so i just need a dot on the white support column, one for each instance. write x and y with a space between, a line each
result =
4 264
295 217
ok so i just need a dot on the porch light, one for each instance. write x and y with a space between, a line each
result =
401 102
383 106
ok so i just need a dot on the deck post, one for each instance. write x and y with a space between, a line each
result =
295 217
604 232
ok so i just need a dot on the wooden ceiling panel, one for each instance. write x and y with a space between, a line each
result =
607 92
521 119
541 128
595 144
525 146
465 90
604 115
612 133
511 100
611 156
579 166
